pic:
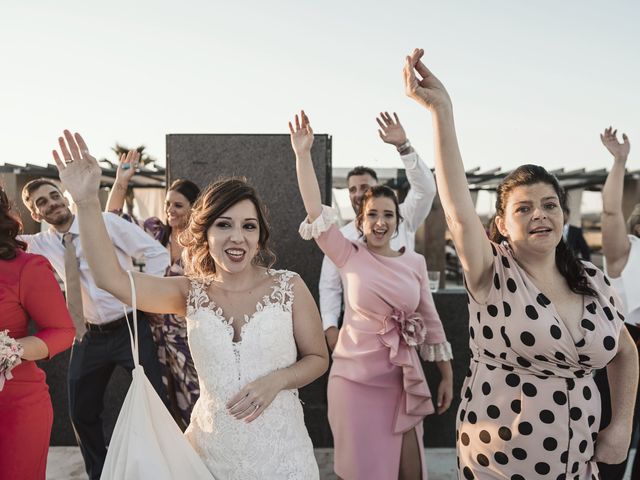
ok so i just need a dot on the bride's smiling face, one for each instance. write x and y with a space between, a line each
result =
234 237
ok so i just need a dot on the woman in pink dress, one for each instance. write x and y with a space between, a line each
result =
28 290
377 393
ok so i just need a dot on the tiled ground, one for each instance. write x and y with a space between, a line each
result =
65 463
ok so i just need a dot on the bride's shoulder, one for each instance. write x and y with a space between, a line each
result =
284 275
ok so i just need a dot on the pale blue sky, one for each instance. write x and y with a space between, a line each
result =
531 82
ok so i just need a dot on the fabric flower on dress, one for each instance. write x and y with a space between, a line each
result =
410 326
10 356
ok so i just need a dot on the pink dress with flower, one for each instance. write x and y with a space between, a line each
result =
377 390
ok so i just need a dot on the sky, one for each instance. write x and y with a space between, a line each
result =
531 81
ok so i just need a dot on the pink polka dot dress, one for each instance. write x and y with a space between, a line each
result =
530 408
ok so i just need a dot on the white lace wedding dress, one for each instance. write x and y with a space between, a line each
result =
276 445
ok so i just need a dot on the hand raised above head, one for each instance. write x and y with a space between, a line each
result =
302 134
391 130
620 150
79 171
127 166
424 88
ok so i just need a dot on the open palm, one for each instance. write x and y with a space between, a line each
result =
127 166
610 140
79 171
301 134
391 130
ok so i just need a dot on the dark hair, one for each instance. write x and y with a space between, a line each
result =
32 186
570 267
190 191
216 199
360 170
634 219
10 227
378 191
187 188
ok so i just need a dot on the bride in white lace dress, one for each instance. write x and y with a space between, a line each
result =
255 333
275 445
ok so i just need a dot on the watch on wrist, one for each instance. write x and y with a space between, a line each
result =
405 146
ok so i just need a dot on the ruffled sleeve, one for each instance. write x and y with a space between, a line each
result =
435 348
328 236
440 352
309 230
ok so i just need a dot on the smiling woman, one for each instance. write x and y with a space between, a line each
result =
377 392
228 213
255 333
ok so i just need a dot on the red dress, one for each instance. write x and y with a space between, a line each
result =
28 289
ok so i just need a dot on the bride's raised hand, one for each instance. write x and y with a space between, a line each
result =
79 171
301 134
422 85
619 150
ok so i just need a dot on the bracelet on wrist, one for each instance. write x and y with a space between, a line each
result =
405 146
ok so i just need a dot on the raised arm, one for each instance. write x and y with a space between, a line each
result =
418 202
80 174
125 172
301 141
615 243
469 235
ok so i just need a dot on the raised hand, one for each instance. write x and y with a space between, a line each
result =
391 130
79 172
301 135
609 138
127 166
424 88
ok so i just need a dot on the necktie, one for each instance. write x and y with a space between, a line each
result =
72 284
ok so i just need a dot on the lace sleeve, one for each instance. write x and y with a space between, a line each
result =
440 352
319 225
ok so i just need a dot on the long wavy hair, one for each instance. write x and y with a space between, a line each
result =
216 199
378 191
10 228
570 267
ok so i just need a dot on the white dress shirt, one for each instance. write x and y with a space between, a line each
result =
414 210
129 241
628 285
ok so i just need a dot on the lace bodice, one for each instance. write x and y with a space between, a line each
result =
276 444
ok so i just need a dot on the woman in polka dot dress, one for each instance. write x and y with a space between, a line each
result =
540 323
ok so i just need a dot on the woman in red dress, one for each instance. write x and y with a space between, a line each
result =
28 289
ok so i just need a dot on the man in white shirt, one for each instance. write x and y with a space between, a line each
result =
621 251
414 210
105 344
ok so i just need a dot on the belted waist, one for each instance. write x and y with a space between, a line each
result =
108 326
